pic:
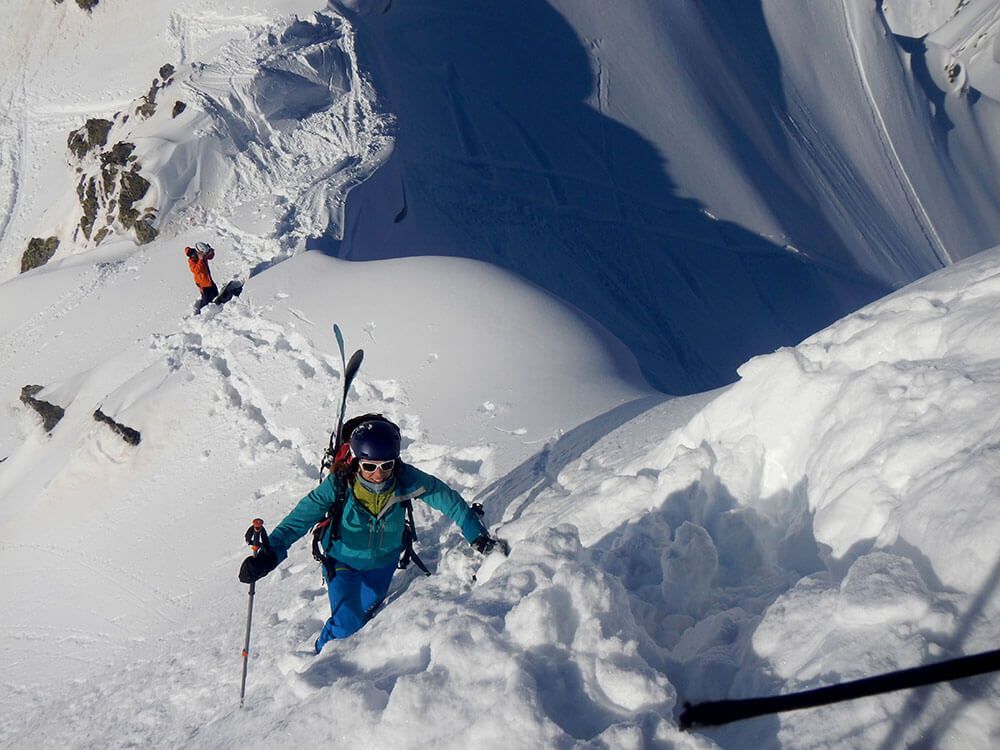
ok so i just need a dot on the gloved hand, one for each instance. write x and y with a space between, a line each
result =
484 544
257 566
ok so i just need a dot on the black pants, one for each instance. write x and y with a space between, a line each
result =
208 293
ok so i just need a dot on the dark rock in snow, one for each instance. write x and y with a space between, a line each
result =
94 133
148 106
89 204
50 413
39 252
130 436
118 154
145 232
133 187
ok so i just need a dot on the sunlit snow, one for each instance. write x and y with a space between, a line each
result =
526 214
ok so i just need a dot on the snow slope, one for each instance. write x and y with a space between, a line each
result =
830 516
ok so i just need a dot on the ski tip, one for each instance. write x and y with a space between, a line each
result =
355 361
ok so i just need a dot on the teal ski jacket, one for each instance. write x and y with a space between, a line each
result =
367 542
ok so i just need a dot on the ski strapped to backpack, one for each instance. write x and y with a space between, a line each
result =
350 369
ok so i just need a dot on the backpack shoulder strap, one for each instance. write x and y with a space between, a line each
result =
333 515
409 537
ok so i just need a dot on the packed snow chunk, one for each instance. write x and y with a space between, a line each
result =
470 688
633 688
795 625
542 618
881 589
955 519
713 651
689 564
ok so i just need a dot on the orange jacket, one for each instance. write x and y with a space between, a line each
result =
198 264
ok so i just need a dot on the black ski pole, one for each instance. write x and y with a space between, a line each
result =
714 713
256 537
246 644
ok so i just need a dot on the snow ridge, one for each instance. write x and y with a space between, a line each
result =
222 142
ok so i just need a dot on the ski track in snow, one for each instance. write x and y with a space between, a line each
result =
913 198
28 334
12 141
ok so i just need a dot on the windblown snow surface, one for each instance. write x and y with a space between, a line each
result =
830 515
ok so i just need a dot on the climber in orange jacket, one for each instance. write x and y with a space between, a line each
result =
198 257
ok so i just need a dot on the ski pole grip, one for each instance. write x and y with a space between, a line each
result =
256 536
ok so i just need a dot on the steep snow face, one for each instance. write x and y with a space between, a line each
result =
910 474
728 175
865 455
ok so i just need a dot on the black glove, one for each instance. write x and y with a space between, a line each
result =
484 544
257 566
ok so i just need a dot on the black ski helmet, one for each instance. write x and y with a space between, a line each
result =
375 440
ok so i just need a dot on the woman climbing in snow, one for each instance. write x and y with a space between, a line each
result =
368 533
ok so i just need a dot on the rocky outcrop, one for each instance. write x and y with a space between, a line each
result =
110 185
39 252
130 436
50 413
87 5
93 134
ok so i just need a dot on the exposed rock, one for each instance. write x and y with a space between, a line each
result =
39 252
130 436
111 187
94 133
148 106
50 413
133 187
119 154
87 5
89 204
145 232
179 107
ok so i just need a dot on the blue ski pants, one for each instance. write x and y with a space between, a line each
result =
354 596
